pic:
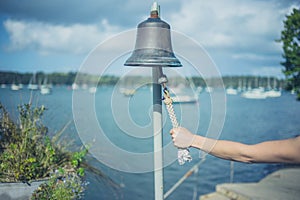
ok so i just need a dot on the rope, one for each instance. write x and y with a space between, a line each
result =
183 155
172 115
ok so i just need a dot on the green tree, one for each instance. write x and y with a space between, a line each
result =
290 38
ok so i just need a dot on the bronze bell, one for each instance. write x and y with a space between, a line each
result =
153 47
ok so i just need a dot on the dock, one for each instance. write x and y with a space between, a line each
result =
282 184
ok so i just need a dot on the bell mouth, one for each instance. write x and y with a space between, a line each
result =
153 58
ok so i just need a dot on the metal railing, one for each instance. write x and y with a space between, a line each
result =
195 170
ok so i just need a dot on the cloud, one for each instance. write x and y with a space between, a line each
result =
253 56
48 38
232 24
239 35
121 13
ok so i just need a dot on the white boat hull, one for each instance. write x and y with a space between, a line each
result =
254 94
184 99
273 93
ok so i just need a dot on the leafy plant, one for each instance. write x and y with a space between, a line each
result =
63 185
28 153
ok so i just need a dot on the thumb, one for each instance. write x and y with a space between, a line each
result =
172 131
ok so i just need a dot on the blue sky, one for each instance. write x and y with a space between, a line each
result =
57 35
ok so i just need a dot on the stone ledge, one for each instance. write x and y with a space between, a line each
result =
282 184
18 191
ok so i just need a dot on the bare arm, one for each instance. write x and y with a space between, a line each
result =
287 151
283 151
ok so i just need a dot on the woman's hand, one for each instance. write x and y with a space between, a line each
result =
182 138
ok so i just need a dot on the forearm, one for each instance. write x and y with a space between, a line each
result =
286 151
224 149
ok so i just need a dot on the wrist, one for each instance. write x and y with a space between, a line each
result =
197 142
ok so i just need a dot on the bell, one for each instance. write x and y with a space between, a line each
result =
153 47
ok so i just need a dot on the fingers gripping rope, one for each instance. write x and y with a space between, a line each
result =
183 155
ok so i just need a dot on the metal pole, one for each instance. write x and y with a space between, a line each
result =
157 137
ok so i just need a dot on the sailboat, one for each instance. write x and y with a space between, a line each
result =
231 91
184 99
75 86
256 93
127 92
45 89
181 94
32 85
93 90
273 92
14 87
240 86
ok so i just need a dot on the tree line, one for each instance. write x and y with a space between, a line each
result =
130 81
56 78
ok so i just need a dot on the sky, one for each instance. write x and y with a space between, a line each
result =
57 35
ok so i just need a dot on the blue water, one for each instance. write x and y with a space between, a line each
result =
247 121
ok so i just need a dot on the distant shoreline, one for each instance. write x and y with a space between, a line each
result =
62 78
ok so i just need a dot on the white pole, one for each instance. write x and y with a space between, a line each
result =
157 130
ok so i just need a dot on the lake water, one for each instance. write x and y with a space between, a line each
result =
248 121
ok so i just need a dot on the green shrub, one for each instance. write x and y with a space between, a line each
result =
63 185
27 153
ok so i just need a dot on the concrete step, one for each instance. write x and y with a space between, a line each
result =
283 184
213 196
287 177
